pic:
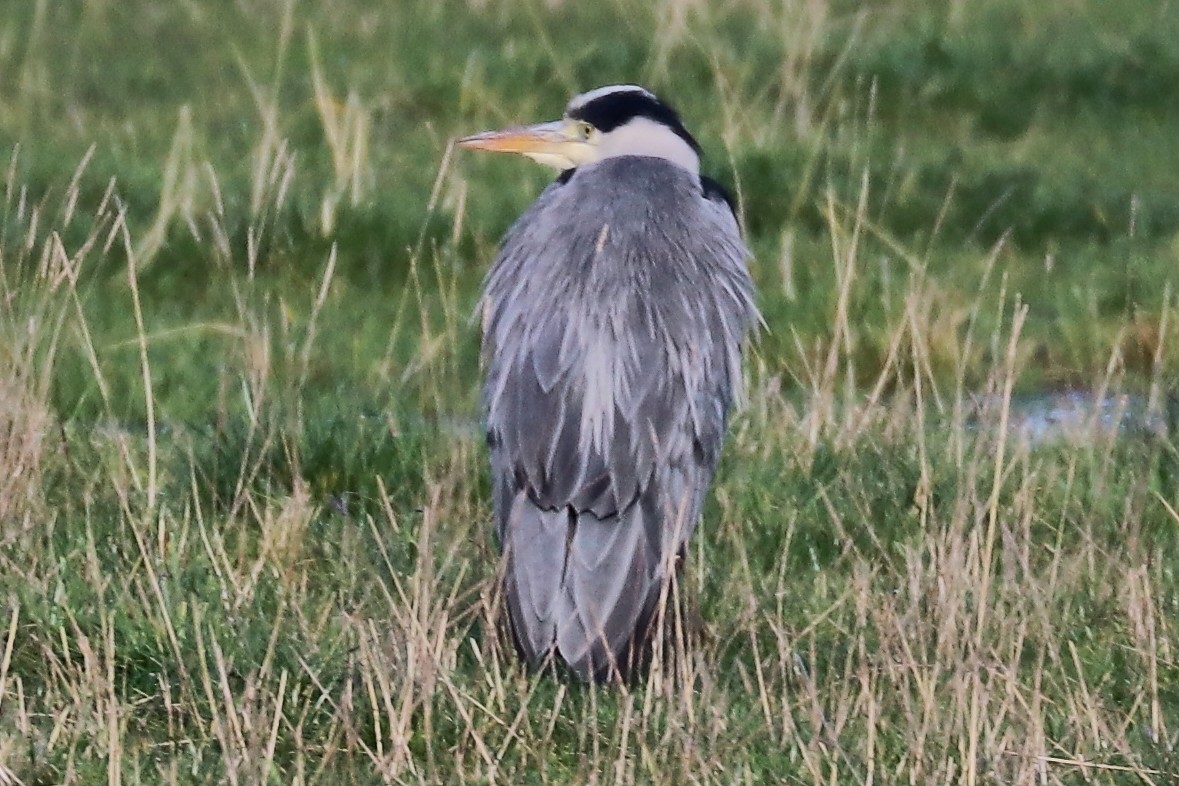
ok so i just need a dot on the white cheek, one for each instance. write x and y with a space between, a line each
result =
642 137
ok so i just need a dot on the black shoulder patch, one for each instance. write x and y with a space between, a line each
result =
715 192
563 178
612 110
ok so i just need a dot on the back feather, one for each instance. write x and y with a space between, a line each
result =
612 335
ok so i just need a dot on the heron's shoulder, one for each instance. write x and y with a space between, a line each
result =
715 192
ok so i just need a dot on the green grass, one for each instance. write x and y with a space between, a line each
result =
244 523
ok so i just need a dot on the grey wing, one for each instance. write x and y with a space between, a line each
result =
606 398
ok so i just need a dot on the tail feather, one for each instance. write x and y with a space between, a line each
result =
611 581
534 541
582 586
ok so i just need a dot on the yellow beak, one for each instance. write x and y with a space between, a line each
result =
548 143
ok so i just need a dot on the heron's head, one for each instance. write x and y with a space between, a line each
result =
619 120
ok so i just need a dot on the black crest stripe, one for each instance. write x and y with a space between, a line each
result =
612 110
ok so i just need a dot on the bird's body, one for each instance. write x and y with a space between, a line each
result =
612 326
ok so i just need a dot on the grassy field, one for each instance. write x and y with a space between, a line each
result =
244 518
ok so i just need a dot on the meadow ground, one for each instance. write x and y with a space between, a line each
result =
244 520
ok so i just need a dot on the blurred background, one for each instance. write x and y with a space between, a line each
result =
979 145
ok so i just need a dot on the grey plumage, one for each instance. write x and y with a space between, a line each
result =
612 327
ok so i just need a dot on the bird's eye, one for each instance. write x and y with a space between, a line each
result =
584 129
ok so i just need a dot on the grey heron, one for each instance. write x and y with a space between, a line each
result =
613 321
